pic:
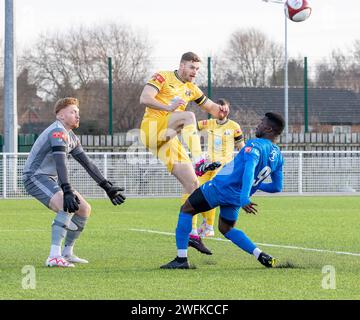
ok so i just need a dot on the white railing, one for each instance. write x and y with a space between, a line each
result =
142 175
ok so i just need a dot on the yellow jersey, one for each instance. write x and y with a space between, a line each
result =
170 86
221 138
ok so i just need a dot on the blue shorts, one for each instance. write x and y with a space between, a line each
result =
227 211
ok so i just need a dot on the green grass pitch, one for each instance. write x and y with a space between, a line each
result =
124 262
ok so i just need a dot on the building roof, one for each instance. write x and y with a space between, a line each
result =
325 105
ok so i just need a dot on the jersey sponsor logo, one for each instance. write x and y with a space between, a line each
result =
158 77
188 93
60 135
227 132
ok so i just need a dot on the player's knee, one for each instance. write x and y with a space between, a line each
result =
224 229
192 185
224 226
84 209
189 117
187 208
87 208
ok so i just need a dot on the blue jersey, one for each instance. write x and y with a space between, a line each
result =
240 178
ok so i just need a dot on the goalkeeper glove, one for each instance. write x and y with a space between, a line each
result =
71 200
114 193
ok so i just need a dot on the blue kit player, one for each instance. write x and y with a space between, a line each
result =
231 190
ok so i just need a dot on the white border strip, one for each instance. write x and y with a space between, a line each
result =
261 244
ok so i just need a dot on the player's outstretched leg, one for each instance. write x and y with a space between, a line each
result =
267 260
240 239
196 242
182 238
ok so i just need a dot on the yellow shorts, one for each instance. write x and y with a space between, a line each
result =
152 135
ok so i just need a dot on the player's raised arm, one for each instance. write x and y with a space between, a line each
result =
216 110
114 193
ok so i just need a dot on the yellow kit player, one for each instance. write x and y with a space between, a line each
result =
166 96
224 135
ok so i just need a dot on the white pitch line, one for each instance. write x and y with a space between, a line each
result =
261 244
24 230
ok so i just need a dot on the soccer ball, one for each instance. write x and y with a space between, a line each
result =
297 10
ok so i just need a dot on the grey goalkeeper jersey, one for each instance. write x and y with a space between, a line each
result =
54 139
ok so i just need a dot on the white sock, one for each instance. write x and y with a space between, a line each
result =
55 251
199 158
68 251
256 253
194 232
182 253
209 227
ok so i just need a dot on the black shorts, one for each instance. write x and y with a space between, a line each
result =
198 201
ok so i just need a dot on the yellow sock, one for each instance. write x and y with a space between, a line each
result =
184 197
192 140
194 222
210 217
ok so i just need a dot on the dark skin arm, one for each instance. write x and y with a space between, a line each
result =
250 208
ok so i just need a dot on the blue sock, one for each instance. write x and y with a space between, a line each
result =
183 230
241 240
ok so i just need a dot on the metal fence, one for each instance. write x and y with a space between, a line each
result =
142 175
120 142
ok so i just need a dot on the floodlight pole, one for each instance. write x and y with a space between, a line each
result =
10 101
286 88
286 82
209 82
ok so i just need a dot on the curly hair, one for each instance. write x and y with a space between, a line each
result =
64 102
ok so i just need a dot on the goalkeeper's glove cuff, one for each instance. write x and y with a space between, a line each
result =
105 184
66 187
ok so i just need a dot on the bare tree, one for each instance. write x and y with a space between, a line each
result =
76 63
251 58
295 74
219 67
341 70
130 52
